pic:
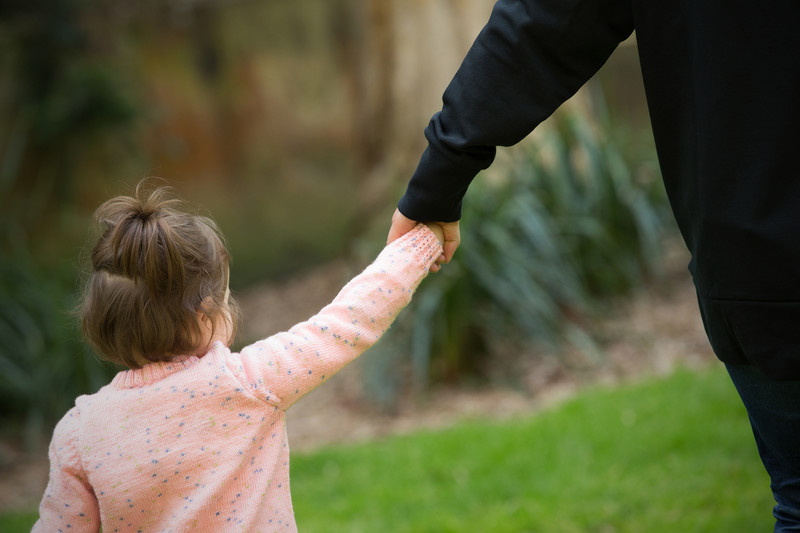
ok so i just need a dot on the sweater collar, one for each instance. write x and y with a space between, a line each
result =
151 372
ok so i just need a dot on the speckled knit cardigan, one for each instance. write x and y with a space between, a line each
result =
199 444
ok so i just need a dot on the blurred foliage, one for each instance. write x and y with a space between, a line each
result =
94 90
96 93
565 224
58 93
44 364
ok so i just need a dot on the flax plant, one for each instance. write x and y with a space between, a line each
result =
567 222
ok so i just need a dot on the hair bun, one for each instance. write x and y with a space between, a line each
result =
143 215
138 242
155 267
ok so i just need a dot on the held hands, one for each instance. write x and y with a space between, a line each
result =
438 231
447 232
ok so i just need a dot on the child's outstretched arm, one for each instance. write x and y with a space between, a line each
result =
284 367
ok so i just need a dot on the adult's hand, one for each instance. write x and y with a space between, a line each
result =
452 235
400 226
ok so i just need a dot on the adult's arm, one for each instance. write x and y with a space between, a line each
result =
531 56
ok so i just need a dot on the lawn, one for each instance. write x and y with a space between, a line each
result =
663 455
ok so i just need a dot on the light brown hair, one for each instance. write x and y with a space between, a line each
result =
156 270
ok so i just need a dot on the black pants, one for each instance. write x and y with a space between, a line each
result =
774 411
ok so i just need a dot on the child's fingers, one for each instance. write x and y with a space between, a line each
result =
438 231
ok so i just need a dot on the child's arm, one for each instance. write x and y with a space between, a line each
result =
69 503
287 365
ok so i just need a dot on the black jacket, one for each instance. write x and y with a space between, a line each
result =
722 80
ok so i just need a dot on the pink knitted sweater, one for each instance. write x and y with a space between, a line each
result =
199 444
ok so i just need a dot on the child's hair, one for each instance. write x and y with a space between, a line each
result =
156 271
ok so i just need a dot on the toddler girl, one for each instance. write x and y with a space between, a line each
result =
192 437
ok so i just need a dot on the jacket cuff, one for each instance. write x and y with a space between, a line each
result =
436 189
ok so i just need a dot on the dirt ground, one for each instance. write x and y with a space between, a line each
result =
650 333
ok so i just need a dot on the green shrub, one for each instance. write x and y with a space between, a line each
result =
565 223
44 364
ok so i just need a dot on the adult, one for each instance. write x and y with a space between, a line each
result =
722 81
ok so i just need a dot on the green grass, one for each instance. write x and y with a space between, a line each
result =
664 455
670 455
17 521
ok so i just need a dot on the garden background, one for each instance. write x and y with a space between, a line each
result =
296 125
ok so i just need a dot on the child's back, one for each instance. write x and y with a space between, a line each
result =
195 439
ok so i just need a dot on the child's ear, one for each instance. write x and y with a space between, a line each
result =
200 310
206 332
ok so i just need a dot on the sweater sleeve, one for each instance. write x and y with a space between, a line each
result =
531 56
285 366
69 503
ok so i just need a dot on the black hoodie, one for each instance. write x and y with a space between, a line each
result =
722 80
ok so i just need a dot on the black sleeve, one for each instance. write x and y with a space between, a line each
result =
531 56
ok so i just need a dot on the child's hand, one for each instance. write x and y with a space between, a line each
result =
439 232
446 232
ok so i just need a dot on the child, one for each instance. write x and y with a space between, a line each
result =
192 437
